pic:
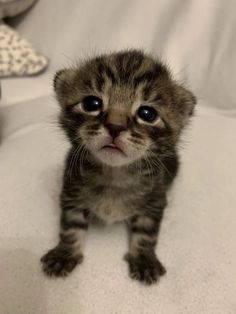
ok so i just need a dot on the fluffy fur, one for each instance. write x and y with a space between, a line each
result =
120 165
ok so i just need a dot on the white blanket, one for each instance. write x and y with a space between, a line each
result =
197 239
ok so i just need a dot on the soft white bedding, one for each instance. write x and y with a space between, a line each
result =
197 240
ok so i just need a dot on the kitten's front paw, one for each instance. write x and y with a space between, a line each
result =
59 262
145 267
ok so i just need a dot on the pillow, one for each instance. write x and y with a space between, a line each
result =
17 56
9 8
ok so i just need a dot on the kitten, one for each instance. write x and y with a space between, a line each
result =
123 114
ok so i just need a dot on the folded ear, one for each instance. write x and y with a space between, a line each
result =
186 101
64 85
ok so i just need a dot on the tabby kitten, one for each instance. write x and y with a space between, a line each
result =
123 114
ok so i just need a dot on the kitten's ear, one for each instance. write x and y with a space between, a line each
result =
64 85
186 101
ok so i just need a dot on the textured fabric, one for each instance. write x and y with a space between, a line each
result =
17 56
197 239
10 8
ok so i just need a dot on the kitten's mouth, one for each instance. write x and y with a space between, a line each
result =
112 148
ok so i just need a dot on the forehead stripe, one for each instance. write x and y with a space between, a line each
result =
126 66
149 76
104 71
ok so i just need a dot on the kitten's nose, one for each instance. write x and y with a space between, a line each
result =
114 129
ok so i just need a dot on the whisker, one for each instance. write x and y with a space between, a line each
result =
81 159
149 168
158 162
72 161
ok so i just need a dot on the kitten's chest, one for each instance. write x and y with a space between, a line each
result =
115 196
111 209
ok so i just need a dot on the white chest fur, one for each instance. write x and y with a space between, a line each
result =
116 202
111 210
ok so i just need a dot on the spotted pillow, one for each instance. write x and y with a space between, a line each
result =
17 56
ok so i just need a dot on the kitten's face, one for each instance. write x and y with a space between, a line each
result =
116 126
122 107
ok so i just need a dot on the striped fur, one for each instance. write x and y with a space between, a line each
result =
131 187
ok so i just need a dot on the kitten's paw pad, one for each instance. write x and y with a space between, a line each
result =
59 262
145 268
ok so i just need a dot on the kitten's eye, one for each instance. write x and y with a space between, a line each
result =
147 114
92 104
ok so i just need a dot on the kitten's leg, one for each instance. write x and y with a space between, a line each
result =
142 260
61 260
